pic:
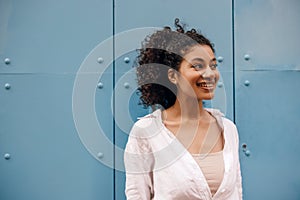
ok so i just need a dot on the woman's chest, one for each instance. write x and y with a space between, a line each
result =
178 176
198 137
180 180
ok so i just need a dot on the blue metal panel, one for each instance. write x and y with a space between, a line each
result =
267 118
47 159
42 156
213 18
51 37
268 32
267 106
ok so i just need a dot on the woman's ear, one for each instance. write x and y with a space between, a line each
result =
172 76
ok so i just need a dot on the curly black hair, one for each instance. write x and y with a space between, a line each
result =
161 51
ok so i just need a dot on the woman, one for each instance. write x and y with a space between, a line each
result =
182 150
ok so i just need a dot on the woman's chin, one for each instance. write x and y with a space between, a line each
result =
207 97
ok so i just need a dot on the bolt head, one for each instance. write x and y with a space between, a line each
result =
126 59
247 57
100 85
100 155
220 59
100 60
7 61
247 83
248 153
220 84
126 85
7 86
7 156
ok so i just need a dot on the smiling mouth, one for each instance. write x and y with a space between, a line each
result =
206 85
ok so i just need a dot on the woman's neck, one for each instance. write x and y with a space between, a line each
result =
186 109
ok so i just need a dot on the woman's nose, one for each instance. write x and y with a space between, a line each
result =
208 73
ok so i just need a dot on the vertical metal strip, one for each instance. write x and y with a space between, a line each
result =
233 61
113 109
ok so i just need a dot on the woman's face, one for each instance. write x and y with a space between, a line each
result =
198 74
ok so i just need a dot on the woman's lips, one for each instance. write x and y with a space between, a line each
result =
206 85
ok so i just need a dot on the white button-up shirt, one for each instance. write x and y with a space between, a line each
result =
158 167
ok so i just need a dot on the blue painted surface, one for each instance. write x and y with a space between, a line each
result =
267 110
47 43
267 119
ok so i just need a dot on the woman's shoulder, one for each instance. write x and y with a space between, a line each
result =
148 119
146 124
228 126
215 112
221 117
228 122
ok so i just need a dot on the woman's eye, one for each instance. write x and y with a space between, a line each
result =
198 66
214 66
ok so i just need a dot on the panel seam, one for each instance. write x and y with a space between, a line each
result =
233 62
113 84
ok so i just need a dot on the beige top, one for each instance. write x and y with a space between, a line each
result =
212 167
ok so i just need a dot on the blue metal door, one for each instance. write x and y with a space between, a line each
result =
267 97
211 17
42 44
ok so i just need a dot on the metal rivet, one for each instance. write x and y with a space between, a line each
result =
126 85
7 61
7 86
220 84
126 59
220 59
100 155
7 156
247 153
100 85
247 57
247 83
100 60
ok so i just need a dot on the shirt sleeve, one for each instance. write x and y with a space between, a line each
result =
138 162
239 182
239 176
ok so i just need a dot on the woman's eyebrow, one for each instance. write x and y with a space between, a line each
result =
198 59
202 60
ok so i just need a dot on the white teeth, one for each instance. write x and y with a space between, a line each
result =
205 85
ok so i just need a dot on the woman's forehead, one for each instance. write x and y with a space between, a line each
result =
198 52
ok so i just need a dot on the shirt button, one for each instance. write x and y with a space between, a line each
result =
223 190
